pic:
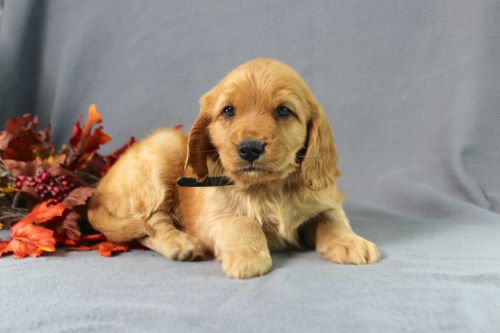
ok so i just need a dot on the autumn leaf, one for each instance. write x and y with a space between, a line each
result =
18 168
26 151
30 240
44 212
78 196
84 142
19 141
5 139
60 217
105 249
93 118
3 247
26 122
20 147
67 226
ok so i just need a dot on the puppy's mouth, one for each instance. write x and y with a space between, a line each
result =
252 170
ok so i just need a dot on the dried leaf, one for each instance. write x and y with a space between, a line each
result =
26 122
3 247
107 249
44 212
19 141
53 160
76 134
92 238
21 146
18 168
5 139
79 196
93 118
84 142
30 240
69 227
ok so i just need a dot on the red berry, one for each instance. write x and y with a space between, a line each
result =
19 184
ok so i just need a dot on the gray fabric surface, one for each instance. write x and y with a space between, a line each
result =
411 89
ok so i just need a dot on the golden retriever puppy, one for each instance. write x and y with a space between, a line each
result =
262 127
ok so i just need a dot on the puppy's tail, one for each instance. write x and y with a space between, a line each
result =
116 229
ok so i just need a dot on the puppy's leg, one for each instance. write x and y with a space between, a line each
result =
335 240
241 245
169 241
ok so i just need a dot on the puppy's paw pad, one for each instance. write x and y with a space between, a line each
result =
245 263
348 248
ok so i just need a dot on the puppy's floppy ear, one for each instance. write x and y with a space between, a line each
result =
199 144
319 166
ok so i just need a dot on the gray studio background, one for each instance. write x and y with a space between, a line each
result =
412 91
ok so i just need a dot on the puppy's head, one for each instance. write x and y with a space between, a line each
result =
259 124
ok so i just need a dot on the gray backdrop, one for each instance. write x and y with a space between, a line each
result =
412 91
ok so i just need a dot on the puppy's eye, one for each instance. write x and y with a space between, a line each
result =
282 112
228 111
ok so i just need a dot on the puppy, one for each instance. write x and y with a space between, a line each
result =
262 127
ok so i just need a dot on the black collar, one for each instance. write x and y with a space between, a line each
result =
209 181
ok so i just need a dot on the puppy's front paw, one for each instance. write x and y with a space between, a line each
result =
245 263
183 247
349 248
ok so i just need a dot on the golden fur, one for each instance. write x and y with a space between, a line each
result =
289 199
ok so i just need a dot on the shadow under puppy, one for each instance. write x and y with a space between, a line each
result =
261 127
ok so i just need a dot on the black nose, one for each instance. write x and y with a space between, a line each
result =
250 150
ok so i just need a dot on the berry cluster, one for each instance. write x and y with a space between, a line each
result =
46 185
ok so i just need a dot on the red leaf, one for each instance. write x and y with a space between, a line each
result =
92 142
107 249
92 237
19 141
21 146
93 118
3 247
85 142
30 240
44 212
64 241
26 122
76 134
